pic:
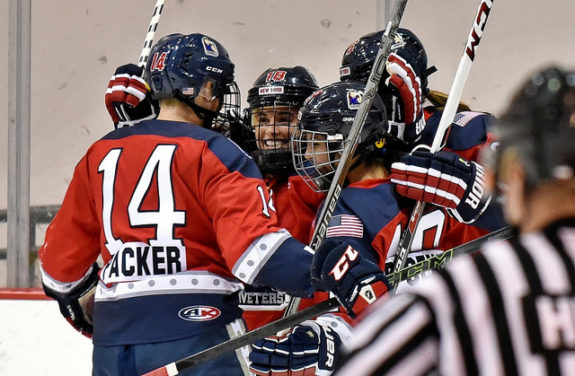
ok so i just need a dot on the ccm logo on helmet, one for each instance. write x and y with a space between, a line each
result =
214 69
199 313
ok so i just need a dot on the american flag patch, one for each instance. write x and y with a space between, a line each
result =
344 225
464 117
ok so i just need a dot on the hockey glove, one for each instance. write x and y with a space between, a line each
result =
406 120
77 305
128 97
237 128
308 349
354 280
444 179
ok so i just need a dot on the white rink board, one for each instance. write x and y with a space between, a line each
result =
36 340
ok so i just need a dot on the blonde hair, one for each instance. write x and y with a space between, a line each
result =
438 99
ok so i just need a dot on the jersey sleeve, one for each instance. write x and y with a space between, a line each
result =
256 249
71 243
468 134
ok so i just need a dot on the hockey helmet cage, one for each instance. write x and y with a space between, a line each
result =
326 119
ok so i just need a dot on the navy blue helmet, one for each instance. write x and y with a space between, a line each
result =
326 119
539 126
179 65
358 58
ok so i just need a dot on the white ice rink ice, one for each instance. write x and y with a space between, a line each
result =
36 340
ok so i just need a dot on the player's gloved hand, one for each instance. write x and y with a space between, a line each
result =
356 281
128 97
409 122
307 349
77 304
238 129
444 179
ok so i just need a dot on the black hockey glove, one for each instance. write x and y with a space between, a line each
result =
238 129
307 349
128 97
77 305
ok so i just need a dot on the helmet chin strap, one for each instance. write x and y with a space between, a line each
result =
206 116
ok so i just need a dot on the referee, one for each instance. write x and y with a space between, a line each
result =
510 309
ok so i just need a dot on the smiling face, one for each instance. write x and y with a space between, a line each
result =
316 156
273 126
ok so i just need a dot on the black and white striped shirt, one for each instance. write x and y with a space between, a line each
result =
509 310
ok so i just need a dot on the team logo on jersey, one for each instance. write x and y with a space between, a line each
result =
257 299
354 98
199 313
210 48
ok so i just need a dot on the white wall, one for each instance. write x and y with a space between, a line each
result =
76 46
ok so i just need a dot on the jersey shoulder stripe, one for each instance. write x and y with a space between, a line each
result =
231 155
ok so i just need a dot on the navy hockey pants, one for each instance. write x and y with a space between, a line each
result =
135 360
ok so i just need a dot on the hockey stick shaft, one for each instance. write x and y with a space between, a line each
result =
149 40
446 119
246 339
432 263
351 143
440 260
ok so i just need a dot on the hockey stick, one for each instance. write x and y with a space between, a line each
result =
440 260
269 329
445 122
149 40
122 108
248 338
351 143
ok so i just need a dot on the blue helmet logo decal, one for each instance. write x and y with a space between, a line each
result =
354 98
210 47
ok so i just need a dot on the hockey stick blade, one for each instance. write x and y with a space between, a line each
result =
341 172
248 338
439 261
447 117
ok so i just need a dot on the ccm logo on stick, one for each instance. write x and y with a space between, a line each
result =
478 26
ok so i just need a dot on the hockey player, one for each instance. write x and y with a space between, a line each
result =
507 310
180 217
265 133
274 101
404 90
365 221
